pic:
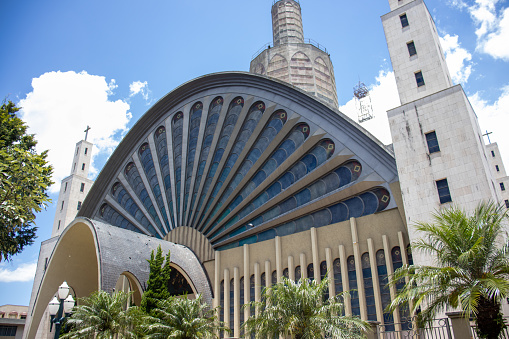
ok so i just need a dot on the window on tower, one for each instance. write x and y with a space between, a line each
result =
506 203
443 191
82 188
79 205
86 150
404 20
83 167
502 187
493 154
431 139
496 167
65 187
411 48
419 78
62 207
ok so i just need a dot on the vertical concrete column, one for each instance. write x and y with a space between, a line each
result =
358 270
227 297
217 278
247 282
404 257
314 250
236 302
330 272
279 266
268 274
291 268
303 266
257 284
390 272
344 279
376 281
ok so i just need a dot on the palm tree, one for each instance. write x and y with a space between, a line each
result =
183 318
297 309
101 315
472 272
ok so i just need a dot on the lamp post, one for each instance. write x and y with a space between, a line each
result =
60 308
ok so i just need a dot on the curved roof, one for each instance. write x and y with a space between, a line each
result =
241 158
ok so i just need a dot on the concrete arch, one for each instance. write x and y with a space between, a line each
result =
278 68
134 286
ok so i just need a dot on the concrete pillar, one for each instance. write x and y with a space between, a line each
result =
460 325
227 297
404 257
316 260
279 266
291 268
371 333
376 281
344 279
236 302
358 269
303 266
268 274
217 278
247 283
330 272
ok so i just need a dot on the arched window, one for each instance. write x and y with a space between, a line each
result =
384 289
323 274
298 273
252 292
286 273
311 273
221 303
368 287
338 280
241 300
352 282
232 303
397 262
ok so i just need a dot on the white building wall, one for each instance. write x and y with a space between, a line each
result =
498 169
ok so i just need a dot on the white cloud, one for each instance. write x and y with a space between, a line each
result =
457 59
60 107
23 273
384 96
140 87
492 28
494 118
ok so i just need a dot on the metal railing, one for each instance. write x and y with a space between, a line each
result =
306 41
274 2
503 335
440 329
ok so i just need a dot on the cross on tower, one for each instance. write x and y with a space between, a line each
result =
488 135
86 132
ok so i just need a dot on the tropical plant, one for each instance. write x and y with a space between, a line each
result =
297 309
183 318
472 267
25 176
102 316
157 283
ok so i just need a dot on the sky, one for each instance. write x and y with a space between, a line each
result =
70 64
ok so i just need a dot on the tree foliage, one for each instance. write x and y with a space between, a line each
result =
102 316
157 284
472 271
297 309
183 318
25 177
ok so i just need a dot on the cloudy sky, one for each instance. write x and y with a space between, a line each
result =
70 64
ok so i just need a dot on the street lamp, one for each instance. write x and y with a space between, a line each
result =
60 309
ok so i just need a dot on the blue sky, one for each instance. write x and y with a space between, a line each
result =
104 63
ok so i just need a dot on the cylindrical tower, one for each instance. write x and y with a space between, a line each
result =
287 22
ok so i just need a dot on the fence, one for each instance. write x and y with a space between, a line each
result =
440 329
503 335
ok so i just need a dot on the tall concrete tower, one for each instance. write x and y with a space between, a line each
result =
304 64
439 148
74 188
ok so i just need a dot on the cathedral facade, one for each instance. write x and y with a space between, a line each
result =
249 177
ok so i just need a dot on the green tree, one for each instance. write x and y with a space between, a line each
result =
157 284
25 177
183 318
472 266
297 309
102 316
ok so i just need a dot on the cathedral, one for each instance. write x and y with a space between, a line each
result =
246 177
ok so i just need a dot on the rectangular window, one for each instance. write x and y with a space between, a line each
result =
502 187
8 331
77 150
58 225
83 167
493 154
79 205
82 188
61 208
506 203
431 139
443 191
86 150
411 48
419 78
498 169
65 187
404 20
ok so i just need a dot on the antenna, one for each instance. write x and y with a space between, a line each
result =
363 102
